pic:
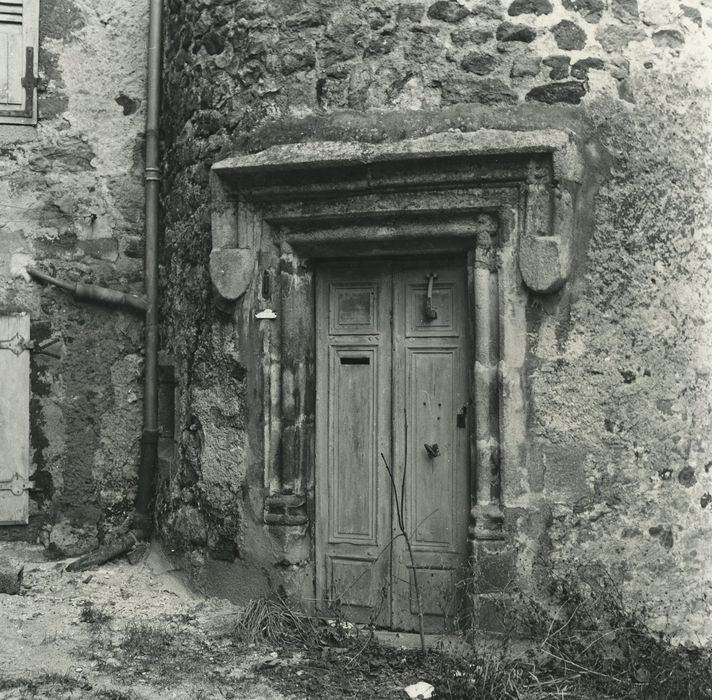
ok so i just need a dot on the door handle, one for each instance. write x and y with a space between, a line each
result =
430 313
432 450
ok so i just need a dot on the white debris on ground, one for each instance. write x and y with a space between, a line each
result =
44 630
421 689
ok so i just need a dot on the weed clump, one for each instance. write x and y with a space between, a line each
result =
143 639
592 644
93 615
275 621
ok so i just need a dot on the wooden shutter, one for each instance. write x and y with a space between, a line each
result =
14 418
19 46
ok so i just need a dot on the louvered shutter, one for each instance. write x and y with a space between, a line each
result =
14 418
19 21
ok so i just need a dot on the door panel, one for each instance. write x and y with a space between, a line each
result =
391 378
430 387
352 418
353 405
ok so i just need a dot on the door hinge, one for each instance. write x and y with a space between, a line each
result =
17 485
30 83
18 344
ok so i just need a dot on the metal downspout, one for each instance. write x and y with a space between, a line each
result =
149 437
142 522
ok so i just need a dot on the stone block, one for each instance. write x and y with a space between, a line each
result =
569 92
10 576
531 7
525 66
448 11
569 36
507 31
590 10
479 63
494 566
489 614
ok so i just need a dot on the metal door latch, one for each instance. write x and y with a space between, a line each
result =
430 313
17 485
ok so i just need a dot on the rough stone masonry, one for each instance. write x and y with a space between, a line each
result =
618 362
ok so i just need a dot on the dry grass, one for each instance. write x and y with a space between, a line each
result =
587 645
275 621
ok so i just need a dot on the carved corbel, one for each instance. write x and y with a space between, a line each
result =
545 247
231 271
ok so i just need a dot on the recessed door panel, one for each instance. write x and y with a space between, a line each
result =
430 377
354 457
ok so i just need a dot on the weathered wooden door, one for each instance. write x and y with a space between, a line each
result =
392 383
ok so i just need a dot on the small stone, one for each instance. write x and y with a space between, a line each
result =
410 11
448 11
379 46
66 540
479 63
668 38
487 10
590 10
625 10
483 91
304 19
525 66
569 36
530 7
614 38
101 248
515 32
687 477
471 35
580 69
619 67
10 576
302 59
213 43
570 92
128 105
138 553
559 66
693 14
625 90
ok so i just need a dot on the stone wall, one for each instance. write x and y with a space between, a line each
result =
618 362
71 204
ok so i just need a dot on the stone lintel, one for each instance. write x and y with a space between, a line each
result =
484 142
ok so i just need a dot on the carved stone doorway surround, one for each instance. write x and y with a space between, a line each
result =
505 200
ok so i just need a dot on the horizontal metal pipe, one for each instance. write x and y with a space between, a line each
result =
93 292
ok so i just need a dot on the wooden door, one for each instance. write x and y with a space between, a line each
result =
391 378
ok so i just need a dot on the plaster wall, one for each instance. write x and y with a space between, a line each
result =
71 204
618 464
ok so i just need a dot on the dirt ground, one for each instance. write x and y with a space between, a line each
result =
121 631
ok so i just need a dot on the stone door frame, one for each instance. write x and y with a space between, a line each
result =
505 200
